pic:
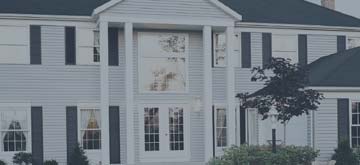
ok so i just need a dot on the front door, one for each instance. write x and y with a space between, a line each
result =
164 133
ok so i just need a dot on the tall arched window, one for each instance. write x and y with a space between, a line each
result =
14 131
90 129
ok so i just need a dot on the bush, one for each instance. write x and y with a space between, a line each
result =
262 155
2 162
78 157
22 158
51 162
344 154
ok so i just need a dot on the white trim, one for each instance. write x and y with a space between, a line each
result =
104 92
218 4
208 93
105 6
335 89
296 26
129 84
46 17
226 9
168 21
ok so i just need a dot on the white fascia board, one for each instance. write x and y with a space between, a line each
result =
105 6
296 26
227 10
335 89
168 21
46 17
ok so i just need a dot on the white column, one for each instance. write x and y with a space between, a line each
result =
207 49
104 92
230 84
129 93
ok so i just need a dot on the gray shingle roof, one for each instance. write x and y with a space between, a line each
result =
336 70
260 11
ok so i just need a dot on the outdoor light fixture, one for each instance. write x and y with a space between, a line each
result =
196 105
273 114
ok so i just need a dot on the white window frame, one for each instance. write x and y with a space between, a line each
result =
27 109
141 56
165 154
296 42
96 46
216 107
237 50
88 106
350 120
87 44
23 45
215 49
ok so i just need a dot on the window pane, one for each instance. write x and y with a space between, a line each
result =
151 123
176 127
90 125
219 49
221 127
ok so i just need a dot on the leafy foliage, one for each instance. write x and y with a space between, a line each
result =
2 162
344 154
262 155
78 157
285 88
51 162
22 158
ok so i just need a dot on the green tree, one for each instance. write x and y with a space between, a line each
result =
78 157
22 158
285 89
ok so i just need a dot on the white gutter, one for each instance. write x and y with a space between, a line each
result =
47 17
296 26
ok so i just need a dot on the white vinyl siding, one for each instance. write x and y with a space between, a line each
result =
326 133
14 45
321 45
353 42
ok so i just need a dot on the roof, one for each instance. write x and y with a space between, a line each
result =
258 11
336 70
290 12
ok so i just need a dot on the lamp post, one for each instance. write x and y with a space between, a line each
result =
273 114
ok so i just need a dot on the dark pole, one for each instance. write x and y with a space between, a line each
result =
274 140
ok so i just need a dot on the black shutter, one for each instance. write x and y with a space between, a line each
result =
341 43
303 49
70 46
266 48
214 130
343 119
245 50
114 128
71 130
242 125
113 47
37 136
35 44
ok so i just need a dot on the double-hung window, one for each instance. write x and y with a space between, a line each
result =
163 61
96 48
355 124
221 126
90 132
219 52
285 46
15 129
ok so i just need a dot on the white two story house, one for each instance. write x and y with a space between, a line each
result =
154 82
